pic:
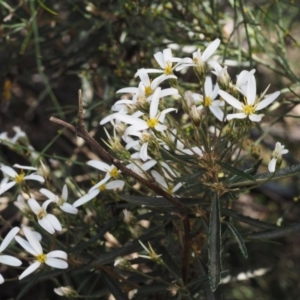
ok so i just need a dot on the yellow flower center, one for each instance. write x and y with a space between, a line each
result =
168 69
41 258
195 59
42 214
248 109
148 91
207 101
102 187
20 178
114 172
152 122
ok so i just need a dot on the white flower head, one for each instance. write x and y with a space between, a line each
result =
251 104
48 221
56 259
61 201
199 59
209 100
66 291
97 188
8 259
276 157
18 178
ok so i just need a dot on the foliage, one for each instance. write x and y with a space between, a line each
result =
163 217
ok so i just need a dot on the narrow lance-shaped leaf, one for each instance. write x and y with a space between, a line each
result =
214 241
282 173
238 238
235 171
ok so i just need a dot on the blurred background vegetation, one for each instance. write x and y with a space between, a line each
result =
50 49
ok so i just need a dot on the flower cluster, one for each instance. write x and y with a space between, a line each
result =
154 140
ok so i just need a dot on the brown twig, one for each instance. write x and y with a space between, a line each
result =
80 130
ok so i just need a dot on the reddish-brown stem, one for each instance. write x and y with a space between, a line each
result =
80 130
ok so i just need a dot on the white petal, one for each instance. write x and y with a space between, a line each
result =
10 260
46 225
255 118
167 53
160 127
116 184
272 165
7 186
86 198
46 203
24 167
217 111
236 116
144 152
164 112
128 119
158 80
35 177
251 90
210 50
268 100
48 194
231 100
68 208
56 263
9 171
58 254
168 92
99 165
134 128
26 246
35 207
1 279
160 180
183 66
64 194
132 90
8 238
30 269
208 87
33 241
154 103
160 59
144 77
54 222
148 165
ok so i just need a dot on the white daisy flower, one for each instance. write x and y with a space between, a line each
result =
251 105
97 188
56 259
209 100
61 201
199 59
276 157
18 178
48 221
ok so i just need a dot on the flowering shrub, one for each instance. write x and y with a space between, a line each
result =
159 213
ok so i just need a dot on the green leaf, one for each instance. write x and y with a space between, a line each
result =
214 241
276 233
235 171
238 238
245 219
282 173
161 202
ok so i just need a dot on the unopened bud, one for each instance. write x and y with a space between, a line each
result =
66 291
195 115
